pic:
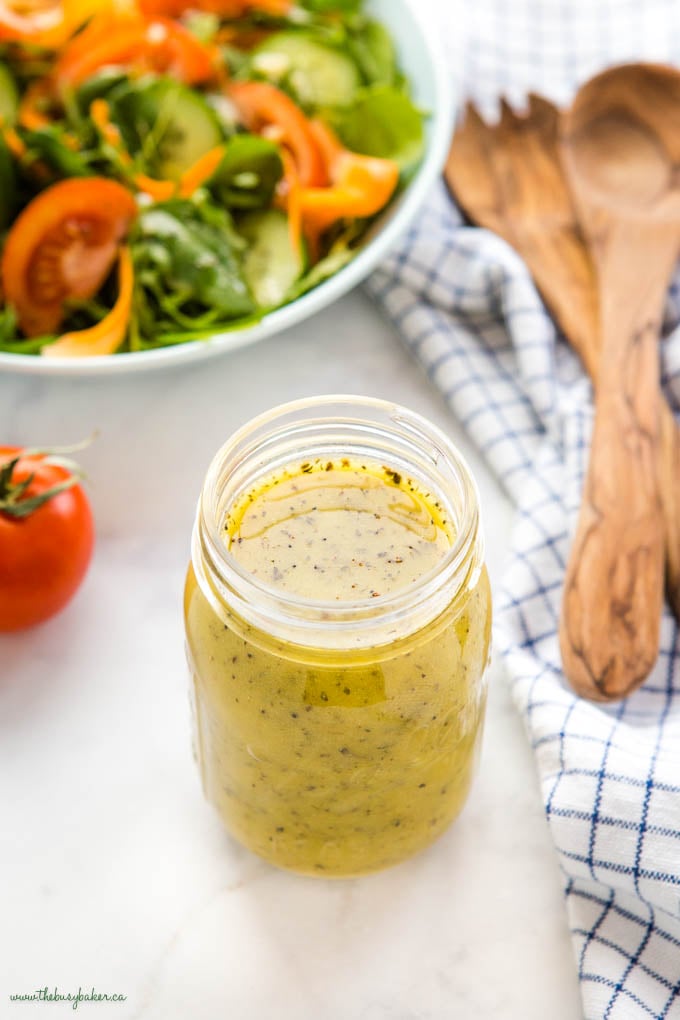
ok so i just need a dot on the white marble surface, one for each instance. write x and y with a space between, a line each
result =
113 870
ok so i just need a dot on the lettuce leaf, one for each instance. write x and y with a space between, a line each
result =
372 48
382 122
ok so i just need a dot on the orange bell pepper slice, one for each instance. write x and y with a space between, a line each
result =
49 25
132 40
360 185
288 198
224 8
267 110
31 115
106 336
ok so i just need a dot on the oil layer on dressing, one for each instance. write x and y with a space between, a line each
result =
338 530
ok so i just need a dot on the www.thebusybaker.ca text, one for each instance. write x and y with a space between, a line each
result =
45 995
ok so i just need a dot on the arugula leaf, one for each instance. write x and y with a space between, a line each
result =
382 122
46 144
187 270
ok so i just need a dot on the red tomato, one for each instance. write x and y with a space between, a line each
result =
63 245
43 555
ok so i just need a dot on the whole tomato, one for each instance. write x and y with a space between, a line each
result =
46 537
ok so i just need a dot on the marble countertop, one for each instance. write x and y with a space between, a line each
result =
115 873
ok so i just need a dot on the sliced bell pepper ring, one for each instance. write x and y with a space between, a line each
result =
263 107
360 185
106 336
132 40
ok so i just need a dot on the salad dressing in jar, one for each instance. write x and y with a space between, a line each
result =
338 626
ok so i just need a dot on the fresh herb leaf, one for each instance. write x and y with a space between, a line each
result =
187 269
248 174
382 122
47 145
371 46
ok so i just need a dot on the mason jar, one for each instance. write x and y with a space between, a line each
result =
338 619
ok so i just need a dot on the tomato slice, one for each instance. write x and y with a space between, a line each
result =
264 108
63 245
148 44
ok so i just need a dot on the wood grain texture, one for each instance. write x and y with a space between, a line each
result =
510 178
620 149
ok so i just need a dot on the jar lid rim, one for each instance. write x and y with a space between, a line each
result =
237 582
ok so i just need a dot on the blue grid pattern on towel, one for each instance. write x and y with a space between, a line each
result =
467 309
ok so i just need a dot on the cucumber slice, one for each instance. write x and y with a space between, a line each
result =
319 75
169 124
271 265
9 96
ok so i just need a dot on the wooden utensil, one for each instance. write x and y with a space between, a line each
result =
509 178
621 147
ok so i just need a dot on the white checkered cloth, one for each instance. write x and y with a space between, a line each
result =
467 309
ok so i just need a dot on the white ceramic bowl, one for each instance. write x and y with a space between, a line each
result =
421 58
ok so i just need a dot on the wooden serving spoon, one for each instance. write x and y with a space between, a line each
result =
508 177
621 147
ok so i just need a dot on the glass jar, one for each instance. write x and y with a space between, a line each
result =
338 737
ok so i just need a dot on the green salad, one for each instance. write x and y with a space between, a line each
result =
178 168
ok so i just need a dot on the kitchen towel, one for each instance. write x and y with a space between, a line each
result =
467 309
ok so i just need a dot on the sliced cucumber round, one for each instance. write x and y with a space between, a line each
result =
9 96
318 74
271 264
170 124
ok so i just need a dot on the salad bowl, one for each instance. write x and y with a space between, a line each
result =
422 61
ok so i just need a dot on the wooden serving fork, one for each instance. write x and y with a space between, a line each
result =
509 178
